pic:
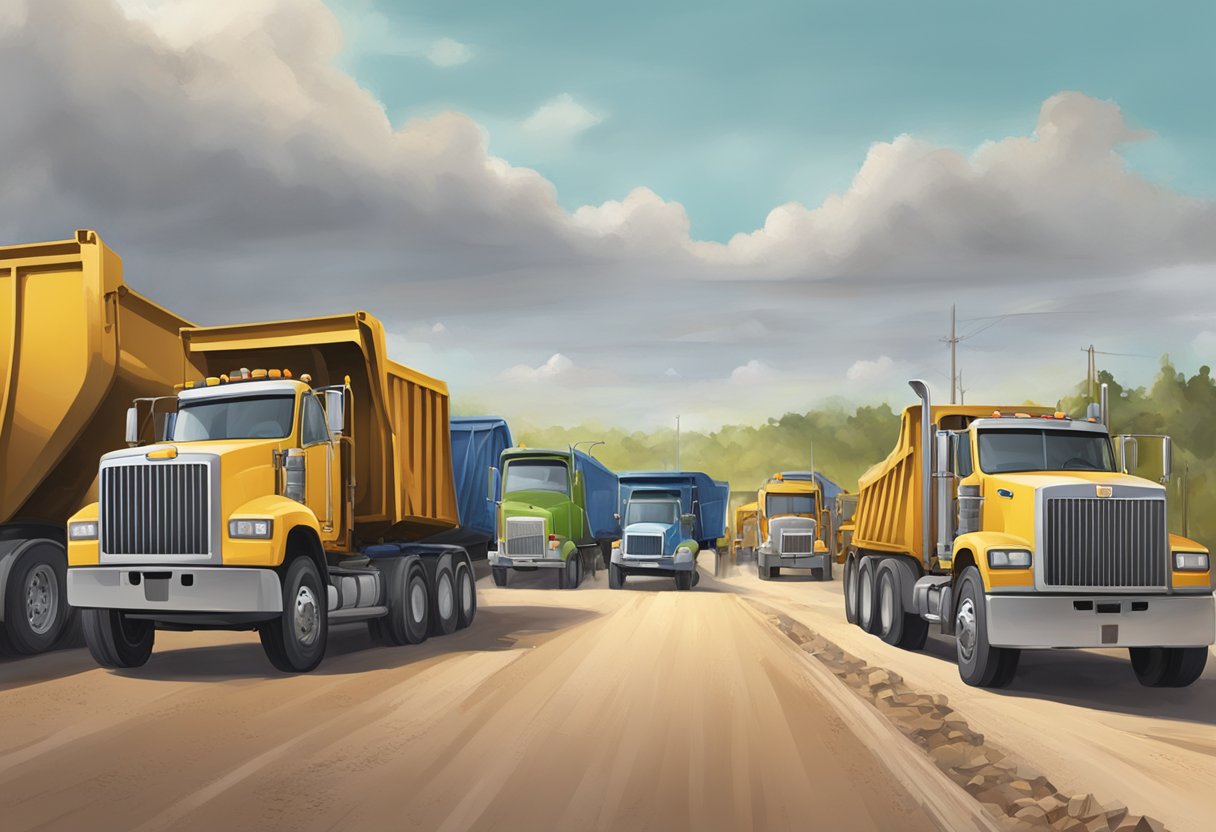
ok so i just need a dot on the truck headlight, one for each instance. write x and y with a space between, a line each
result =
250 529
82 530
1190 562
683 550
1008 559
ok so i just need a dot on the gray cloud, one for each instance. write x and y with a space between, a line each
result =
220 148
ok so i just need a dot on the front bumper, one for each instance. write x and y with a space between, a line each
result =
768 558
1045 621
499 559
223 589
667 565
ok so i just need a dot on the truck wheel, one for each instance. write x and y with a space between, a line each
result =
616 577
761 570
683 581
606 553
409 606
850 589
444 614
500 575
867 595
979 663
1168 667
295 641
115 640
35 599
569 576
696 576
896 626
466 594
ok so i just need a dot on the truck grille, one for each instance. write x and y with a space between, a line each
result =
526 537
1105 542
160 509
644 545
797 543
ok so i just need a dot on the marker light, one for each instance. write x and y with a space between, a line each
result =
306 378
996 414
1060 414
1008 559
223 379
1021 415
1190 562
274 374
250 529
259 374
212 381
189 385
286 373
84 530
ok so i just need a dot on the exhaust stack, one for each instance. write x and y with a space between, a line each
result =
921 389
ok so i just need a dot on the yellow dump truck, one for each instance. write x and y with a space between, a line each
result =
746 531
1020 528
793 526
843 509
281 498
76 345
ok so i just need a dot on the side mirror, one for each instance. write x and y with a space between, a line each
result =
943 454
492 485
688 520
616 515
1167 459
335 411
295 487
1129 454
132 427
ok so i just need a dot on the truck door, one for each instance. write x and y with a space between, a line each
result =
319 494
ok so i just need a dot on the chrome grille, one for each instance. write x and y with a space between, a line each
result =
797 543
525 537
1105 542
158 509
644 545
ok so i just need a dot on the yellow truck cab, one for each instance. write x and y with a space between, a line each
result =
842 524
792 526
1020 528
267 502
746 531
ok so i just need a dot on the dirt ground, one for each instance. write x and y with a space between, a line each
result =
587 709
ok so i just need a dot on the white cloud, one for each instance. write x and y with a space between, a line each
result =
753 372
557 365
871 372
447 52
671 372
561 118
1204 346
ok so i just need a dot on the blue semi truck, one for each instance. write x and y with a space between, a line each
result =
669 518
477 444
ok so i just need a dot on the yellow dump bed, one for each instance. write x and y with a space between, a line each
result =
745 525
404 487
888 515
76 346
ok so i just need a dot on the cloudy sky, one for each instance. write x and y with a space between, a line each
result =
617 213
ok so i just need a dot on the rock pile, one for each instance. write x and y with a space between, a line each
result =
1016 795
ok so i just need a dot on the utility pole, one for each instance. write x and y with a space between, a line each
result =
962 391
677 442
953 340
1092 371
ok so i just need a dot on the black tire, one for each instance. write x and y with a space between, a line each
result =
115 640
867 595
606 553
36 599
850 589
683 581
696 576
295 641
409 605
762 571
828 569
979 663
466 594
1168 667
571 574
445 617
500 575
616 577
897 626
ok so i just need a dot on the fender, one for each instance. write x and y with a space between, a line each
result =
286 514
978 543
569 549
11 551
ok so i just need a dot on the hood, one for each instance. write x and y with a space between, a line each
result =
553 507
670 532
1042 479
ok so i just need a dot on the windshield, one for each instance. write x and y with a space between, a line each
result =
536 475
652 511
247 417
789 504
847 507
1008 451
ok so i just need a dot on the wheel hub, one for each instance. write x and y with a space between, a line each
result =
966 631
446 599
41 598
887 610
466 595
306 616
417 601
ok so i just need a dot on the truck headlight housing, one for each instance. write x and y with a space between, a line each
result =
1008 559
1191 562
82 530
683 550
251 529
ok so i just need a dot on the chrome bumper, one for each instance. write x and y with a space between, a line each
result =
767 557
1045 621
497 559
681 562
175 588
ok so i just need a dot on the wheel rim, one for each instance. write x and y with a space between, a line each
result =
966 631
41 598
417 600
466 593
850 588
867 602
886 609
306 617
447 601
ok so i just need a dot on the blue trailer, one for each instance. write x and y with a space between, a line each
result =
668 518
477 443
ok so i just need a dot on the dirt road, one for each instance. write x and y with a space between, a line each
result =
1078 716
589 709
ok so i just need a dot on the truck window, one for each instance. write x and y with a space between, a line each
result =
963 466
312 422
652 511
1008 451
847 507
245 417
536 475
777 504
